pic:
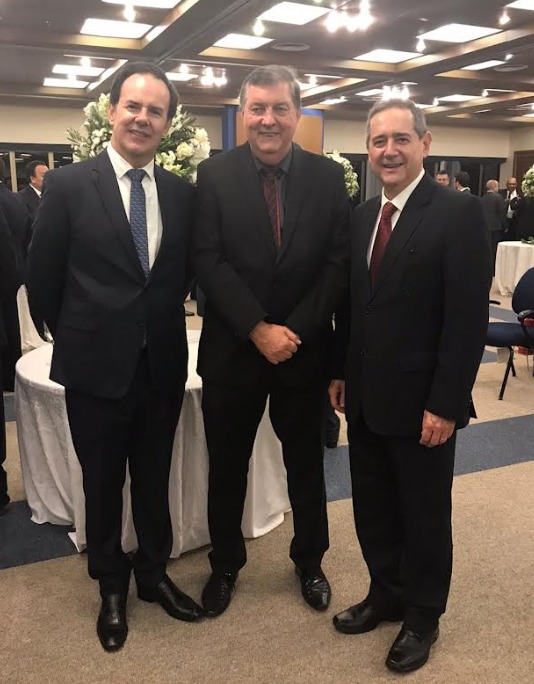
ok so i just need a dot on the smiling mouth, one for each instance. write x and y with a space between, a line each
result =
139 134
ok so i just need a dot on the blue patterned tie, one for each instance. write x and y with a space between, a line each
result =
138 217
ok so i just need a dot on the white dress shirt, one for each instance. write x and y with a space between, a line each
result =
399 201
154 222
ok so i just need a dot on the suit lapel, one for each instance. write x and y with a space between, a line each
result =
361 232
106 184
298 184
408 223
166 203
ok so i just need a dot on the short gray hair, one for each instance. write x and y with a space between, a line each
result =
492 186
419 122
271 75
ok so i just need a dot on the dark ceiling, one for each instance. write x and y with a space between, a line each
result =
36 35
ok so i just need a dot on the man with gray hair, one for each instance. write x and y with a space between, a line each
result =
409 346
270 251
495 214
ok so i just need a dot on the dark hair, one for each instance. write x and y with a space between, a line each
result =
143 68
462 178
271 75
30 168
419 121
443 173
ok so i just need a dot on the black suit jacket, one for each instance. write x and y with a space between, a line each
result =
8 276
86 279
19 223
30 199
417 337
246 279
494 211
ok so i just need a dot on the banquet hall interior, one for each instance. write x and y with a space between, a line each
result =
470 67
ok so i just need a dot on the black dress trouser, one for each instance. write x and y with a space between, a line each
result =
231 419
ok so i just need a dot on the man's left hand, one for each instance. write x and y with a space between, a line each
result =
435 430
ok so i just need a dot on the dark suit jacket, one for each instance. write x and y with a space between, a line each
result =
8 276
523 223
494 211
86 279
417 338
30 199
19 223
246 279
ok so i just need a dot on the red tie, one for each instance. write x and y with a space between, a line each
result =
382 238
270 191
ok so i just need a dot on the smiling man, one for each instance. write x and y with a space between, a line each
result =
108 270
270 253
409 346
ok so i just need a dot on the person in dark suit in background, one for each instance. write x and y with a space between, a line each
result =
511 195
461 181
108 269
8 290
409 346
495 215
442 177
270 255
19 225
30 196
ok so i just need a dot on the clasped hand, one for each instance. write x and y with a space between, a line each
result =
276 343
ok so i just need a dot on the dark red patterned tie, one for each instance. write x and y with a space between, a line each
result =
270 191
382 238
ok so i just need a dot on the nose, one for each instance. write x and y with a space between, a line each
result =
142 116
391 148
267 118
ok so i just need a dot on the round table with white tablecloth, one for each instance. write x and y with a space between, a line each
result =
53 479
514 258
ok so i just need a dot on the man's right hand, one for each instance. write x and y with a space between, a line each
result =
276 342
336 392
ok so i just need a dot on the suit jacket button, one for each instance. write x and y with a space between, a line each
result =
368 310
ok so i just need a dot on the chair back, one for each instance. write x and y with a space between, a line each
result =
523 297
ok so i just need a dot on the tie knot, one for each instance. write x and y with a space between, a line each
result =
136 175
388 210
270 173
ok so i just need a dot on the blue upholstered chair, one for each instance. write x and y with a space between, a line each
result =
518 334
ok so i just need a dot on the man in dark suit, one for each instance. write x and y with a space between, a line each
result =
8 291
270 253
511 196
495 215
30 196
409 356
461 181
108 270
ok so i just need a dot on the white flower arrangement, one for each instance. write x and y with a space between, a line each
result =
179 152
527 185
351 177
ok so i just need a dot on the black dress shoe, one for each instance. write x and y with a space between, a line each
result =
314 587
177 604
361 618
111 626
410 650
217 593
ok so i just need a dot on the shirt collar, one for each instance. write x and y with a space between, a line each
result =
121 166
400 200
283 166
35 190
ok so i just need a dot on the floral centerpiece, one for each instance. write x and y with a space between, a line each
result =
351 177
527 186
180 151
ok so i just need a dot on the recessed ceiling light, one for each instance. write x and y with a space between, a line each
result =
334 100
156 4
77 69
178 76
293 13
482 111
370 93
458 33
323 76
240 41
64 83
388 56
483 65
114 29
458 98
522 4
423 106
107 73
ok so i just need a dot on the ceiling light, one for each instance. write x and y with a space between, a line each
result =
85 61
420 46
178 76
482 111
395 93
458 98
435 102
349 20
114 29
370 93
156 4
334 100
240 41
107 73
209 80
388 56
64 83
485 93
419 105
459 33
129 13
522 4
508 57
259 28
156 31
323 76
293 13
312 80
77 70
304 85
483 65
504 18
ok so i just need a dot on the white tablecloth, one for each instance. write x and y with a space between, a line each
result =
53 479
514 258
29 337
